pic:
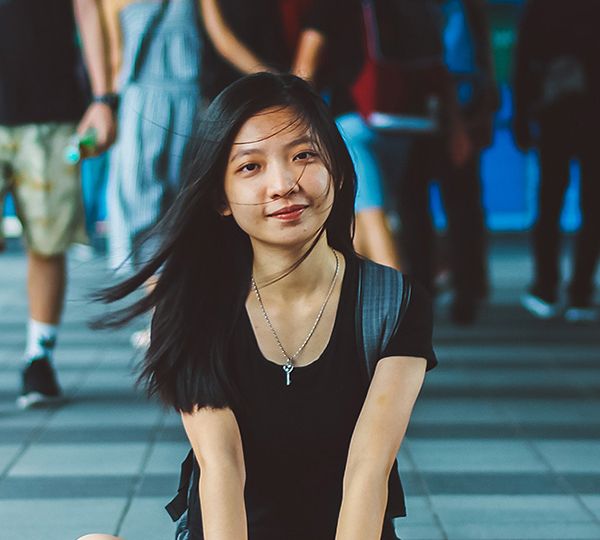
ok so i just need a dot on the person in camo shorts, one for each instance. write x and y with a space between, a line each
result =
41 101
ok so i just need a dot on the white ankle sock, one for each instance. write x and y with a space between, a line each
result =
41 338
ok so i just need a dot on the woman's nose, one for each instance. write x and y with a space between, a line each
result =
282 182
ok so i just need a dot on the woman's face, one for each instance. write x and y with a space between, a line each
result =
277 187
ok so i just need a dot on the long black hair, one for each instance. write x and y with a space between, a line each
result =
204 263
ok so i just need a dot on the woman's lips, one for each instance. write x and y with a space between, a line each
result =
291 213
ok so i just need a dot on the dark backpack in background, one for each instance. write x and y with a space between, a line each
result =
383 298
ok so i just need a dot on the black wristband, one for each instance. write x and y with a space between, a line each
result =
110 98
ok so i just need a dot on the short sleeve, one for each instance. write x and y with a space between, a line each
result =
414 334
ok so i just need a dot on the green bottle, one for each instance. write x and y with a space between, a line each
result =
77 143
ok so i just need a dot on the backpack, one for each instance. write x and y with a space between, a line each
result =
383 298
404 72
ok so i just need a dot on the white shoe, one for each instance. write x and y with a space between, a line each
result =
583 315
540 308
141 339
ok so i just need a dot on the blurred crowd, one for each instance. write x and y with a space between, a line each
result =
411 84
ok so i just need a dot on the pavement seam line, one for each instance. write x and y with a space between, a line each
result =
436 518
139 477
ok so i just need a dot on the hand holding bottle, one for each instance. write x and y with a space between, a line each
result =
80 146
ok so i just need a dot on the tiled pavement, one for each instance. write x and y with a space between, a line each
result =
504 442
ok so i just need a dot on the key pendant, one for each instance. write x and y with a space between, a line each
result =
288 368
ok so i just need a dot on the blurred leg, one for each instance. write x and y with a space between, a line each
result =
373 238
554 179
417 237
46 283
587 247
461 192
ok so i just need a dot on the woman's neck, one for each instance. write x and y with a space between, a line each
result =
314 271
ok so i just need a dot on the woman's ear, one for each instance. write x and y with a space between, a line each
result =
224 209
220 204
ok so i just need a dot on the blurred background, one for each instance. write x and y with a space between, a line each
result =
509 176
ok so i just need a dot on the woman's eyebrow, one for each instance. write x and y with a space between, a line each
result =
305 139
245 152
301 140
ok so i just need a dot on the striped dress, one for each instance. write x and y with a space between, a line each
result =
160 92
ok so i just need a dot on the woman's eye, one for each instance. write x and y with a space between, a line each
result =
249 167
306 155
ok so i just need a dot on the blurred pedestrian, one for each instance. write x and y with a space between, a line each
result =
155 66
466 98
268 206
41 100
557 110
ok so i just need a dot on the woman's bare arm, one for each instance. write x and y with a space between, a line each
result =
375 442
309 54
226 42
215 437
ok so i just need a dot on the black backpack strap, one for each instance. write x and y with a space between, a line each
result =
177 507
382 300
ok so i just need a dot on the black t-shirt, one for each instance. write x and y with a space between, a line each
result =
296 437
41 77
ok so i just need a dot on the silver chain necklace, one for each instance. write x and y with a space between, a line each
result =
288 367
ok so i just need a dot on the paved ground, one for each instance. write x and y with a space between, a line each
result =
504 442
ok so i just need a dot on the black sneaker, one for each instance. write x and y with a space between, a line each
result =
40 386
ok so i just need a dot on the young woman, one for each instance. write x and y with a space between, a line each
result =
253 335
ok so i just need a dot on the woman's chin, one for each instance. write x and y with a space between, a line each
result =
289 242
